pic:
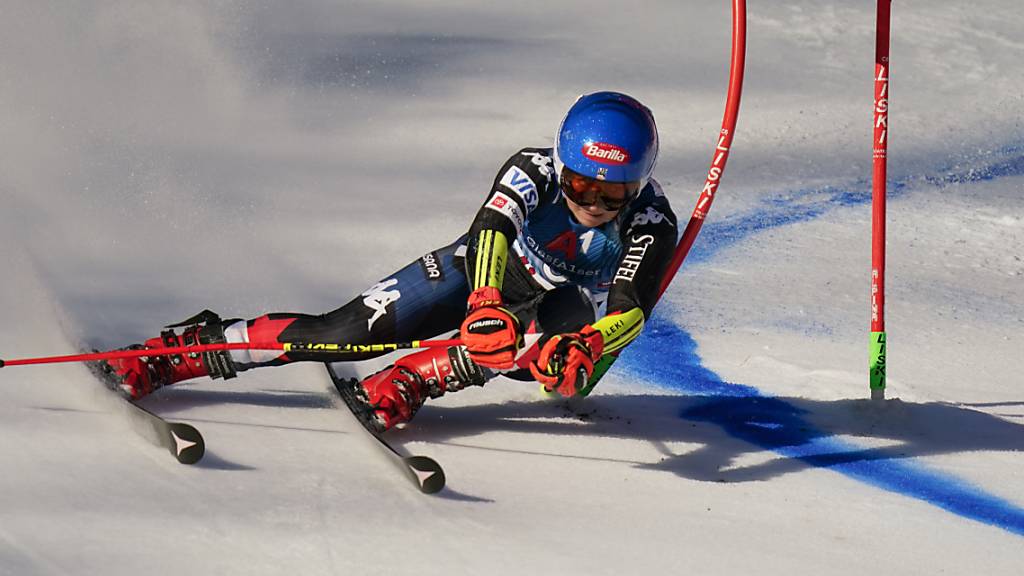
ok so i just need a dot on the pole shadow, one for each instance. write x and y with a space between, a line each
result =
805 433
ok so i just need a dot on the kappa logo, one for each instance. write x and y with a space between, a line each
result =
648 216
499 202
542 162
606 153
520 181
378 298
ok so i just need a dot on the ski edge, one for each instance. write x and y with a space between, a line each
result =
182 440
424 472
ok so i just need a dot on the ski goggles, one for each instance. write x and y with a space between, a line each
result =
587 191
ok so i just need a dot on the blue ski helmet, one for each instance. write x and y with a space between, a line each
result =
608 136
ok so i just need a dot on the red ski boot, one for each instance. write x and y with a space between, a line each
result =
397 392
137 377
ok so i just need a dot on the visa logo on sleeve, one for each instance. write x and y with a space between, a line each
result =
520 182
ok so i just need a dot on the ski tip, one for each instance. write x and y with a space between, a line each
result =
187 443
1 363
429 474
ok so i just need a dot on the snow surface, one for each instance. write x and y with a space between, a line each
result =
161 158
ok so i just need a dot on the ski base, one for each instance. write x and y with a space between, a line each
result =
424 472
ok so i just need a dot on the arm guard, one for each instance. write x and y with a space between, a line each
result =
517 190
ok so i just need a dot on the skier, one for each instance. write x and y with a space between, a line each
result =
561 266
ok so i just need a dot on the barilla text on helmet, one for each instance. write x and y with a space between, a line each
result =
606 153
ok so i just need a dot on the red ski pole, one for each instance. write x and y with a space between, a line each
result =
327 349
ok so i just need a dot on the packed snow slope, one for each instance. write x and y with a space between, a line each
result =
161 158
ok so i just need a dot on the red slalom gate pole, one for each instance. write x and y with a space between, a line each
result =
714 177
327 349
877 348
721 155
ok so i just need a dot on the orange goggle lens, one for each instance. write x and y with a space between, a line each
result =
587 191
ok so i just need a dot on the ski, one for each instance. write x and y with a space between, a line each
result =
425 473
182 440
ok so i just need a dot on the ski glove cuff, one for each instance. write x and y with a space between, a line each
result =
491 333
566 361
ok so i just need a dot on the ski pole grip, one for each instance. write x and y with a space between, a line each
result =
1 363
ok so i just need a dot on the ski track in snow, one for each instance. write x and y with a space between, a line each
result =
773 424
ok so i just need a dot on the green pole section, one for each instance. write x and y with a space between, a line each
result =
876 366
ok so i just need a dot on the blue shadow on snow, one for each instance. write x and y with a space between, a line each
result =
782 427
